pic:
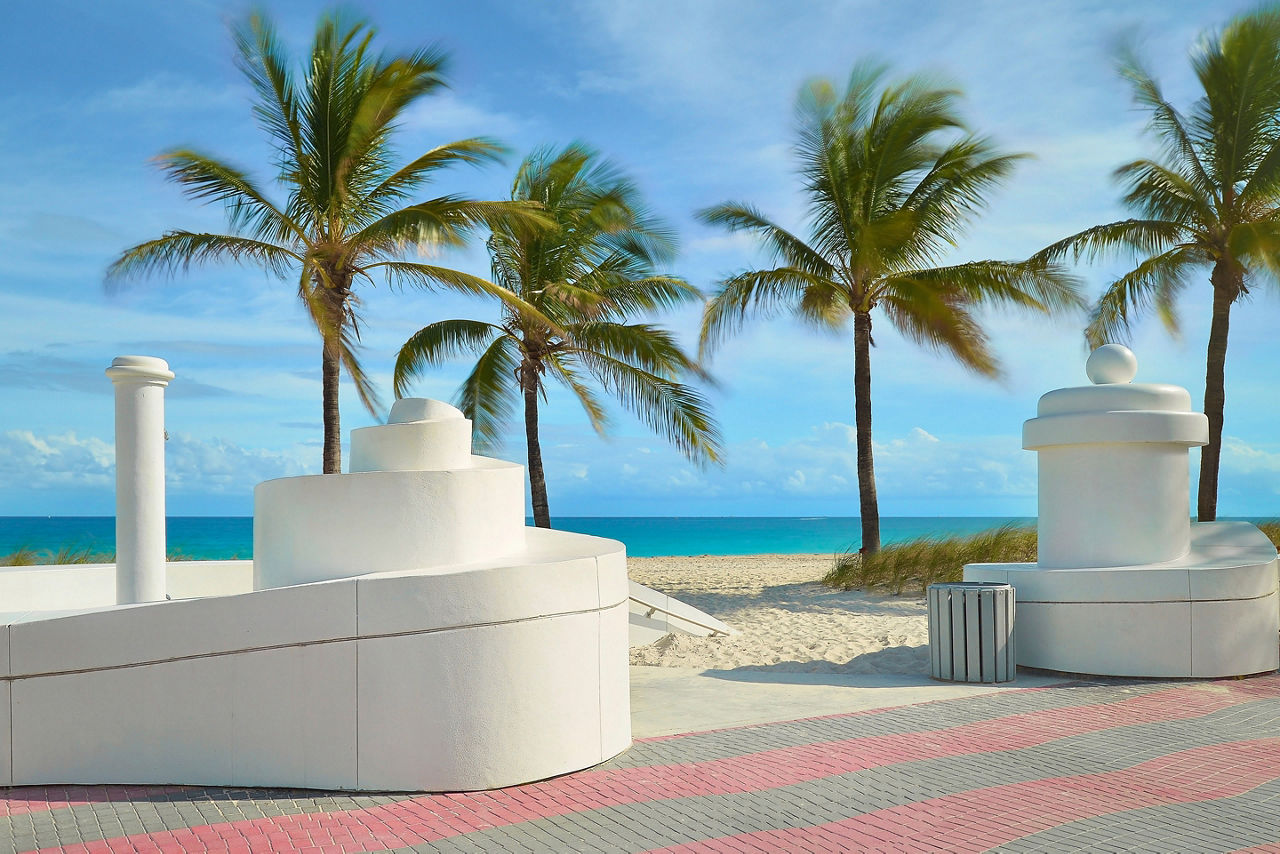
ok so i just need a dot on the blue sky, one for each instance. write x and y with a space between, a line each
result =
694 100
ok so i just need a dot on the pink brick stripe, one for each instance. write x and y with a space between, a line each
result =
1269 848
424 819
980 819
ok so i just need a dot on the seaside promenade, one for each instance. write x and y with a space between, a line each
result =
1097 765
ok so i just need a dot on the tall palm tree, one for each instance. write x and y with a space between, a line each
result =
347 214
1210 198
586 278
891 179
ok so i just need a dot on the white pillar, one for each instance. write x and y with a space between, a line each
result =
140 536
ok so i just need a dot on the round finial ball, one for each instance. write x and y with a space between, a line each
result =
1111 363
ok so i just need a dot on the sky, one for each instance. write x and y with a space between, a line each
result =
694 100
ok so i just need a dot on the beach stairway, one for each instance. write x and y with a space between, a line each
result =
655 614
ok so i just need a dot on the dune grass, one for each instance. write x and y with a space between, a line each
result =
27 556
914 565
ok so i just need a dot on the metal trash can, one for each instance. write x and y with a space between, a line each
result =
971 632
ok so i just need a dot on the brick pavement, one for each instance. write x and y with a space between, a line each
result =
1107 765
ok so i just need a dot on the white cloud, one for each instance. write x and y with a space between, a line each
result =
452 117
819 468
55 461
165 92
192 466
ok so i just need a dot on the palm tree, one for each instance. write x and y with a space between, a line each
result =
891 179
586 278
1210 198
347 213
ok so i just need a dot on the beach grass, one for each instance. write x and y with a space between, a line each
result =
27 556
914 565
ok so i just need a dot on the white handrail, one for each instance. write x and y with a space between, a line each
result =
656 602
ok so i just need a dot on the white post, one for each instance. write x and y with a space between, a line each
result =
140 536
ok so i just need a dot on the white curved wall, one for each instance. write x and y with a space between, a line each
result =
471 679
1112 504
332 526
1211 613
413 446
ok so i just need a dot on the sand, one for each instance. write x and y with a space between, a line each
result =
786 620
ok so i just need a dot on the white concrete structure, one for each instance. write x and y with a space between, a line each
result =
1125 585
398 631
140 535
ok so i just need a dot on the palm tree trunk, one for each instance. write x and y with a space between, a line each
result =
537 478
1226 287
332 419
869 508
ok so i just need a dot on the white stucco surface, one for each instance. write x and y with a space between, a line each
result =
1125 585
139 383
263 687
1113 470
1213 612
332 526
398 630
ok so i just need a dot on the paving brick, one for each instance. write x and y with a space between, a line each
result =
845 782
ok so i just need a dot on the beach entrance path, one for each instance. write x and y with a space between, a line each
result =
1088 765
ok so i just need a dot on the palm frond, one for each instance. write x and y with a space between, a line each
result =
208 179
559 366
1165 121
644 345
1048 288
475 151
1239 72
675 411
627 296
262 59
389 87
444 221
760 292
430 277
1162 193
179 251
785 246
488 395
365 389
940 320
437 343
1258 244
1155 283
1142 236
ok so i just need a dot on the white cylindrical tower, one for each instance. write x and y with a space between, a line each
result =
415 498
1113 473
139 383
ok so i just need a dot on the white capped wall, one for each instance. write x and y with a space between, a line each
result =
420 680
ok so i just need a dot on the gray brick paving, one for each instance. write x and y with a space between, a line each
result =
1226 824
720 744
175 810
830 799
641 826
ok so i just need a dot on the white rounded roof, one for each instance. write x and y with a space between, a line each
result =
410 409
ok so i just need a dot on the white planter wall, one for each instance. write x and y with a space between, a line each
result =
431 679
1124 585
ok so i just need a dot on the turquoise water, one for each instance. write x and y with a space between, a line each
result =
227 537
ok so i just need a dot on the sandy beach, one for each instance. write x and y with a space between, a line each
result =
786 619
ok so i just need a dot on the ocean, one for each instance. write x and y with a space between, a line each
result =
231 537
